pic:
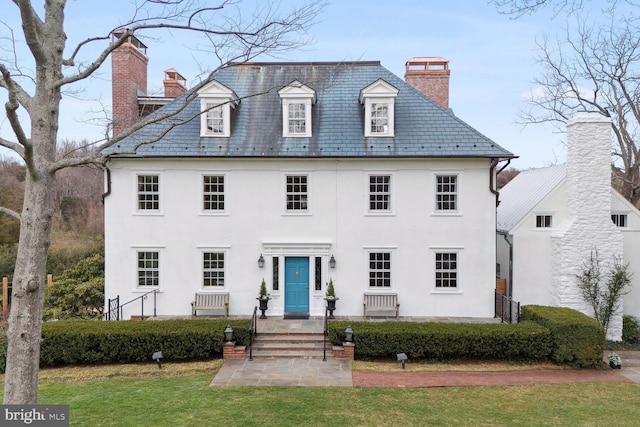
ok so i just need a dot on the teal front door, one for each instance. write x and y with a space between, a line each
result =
296 284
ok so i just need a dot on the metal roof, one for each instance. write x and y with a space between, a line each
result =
524 192
422 128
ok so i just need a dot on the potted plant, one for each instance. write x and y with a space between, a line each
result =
614 361
330 297
263 297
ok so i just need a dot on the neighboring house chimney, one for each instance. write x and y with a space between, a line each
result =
430 75
588 225
174 83
129 80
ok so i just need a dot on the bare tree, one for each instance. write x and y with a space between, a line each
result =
595 69
231 36
519 8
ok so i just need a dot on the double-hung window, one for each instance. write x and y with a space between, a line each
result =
216 102
214 119
148 192
213 269
148 268
379 193
213 193
379 269
446 270
446 193
297 192
297 119
378 100
297 100
379 118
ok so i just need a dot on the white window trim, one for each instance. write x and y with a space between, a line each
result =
379 92
147 248
285 118
535 221
626 214
148 212
220 95
226 117
458 250
391 114
297 93
293 212
380 249
446 212
222 250
380 212
213 212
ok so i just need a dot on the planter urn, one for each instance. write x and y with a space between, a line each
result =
331 305
264 306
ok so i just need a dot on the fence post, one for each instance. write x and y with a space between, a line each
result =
5 296
49 279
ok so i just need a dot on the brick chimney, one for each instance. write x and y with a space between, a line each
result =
430 75
174 83
128 80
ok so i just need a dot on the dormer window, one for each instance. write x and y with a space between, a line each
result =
216 102
297 99
378 99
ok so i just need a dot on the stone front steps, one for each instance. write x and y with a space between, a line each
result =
289 345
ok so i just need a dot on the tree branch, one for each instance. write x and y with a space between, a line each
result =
32 27
17 148
10 212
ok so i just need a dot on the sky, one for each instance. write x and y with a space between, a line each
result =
491 58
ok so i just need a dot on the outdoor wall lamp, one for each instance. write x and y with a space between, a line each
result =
261 261
228 333
332 262
348 334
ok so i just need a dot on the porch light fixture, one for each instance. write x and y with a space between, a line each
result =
261 261
348 334
332 262
228 333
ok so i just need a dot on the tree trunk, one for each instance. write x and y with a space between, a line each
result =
29 281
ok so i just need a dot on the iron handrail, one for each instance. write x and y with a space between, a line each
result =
506 308
141 298
253 330
325 334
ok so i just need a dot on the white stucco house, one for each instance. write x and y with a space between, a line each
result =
336 171
550 219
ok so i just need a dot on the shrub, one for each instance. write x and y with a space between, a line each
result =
577 338
630 329
73 342
78 292
441 341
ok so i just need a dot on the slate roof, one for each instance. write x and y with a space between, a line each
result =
422 128
524 192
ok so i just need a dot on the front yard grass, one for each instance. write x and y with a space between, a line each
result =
179 395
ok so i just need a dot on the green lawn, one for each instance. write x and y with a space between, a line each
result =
184 398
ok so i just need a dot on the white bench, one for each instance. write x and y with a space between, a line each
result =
211 301
381 302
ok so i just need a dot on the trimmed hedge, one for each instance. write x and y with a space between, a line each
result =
442 341
77 342
577 338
